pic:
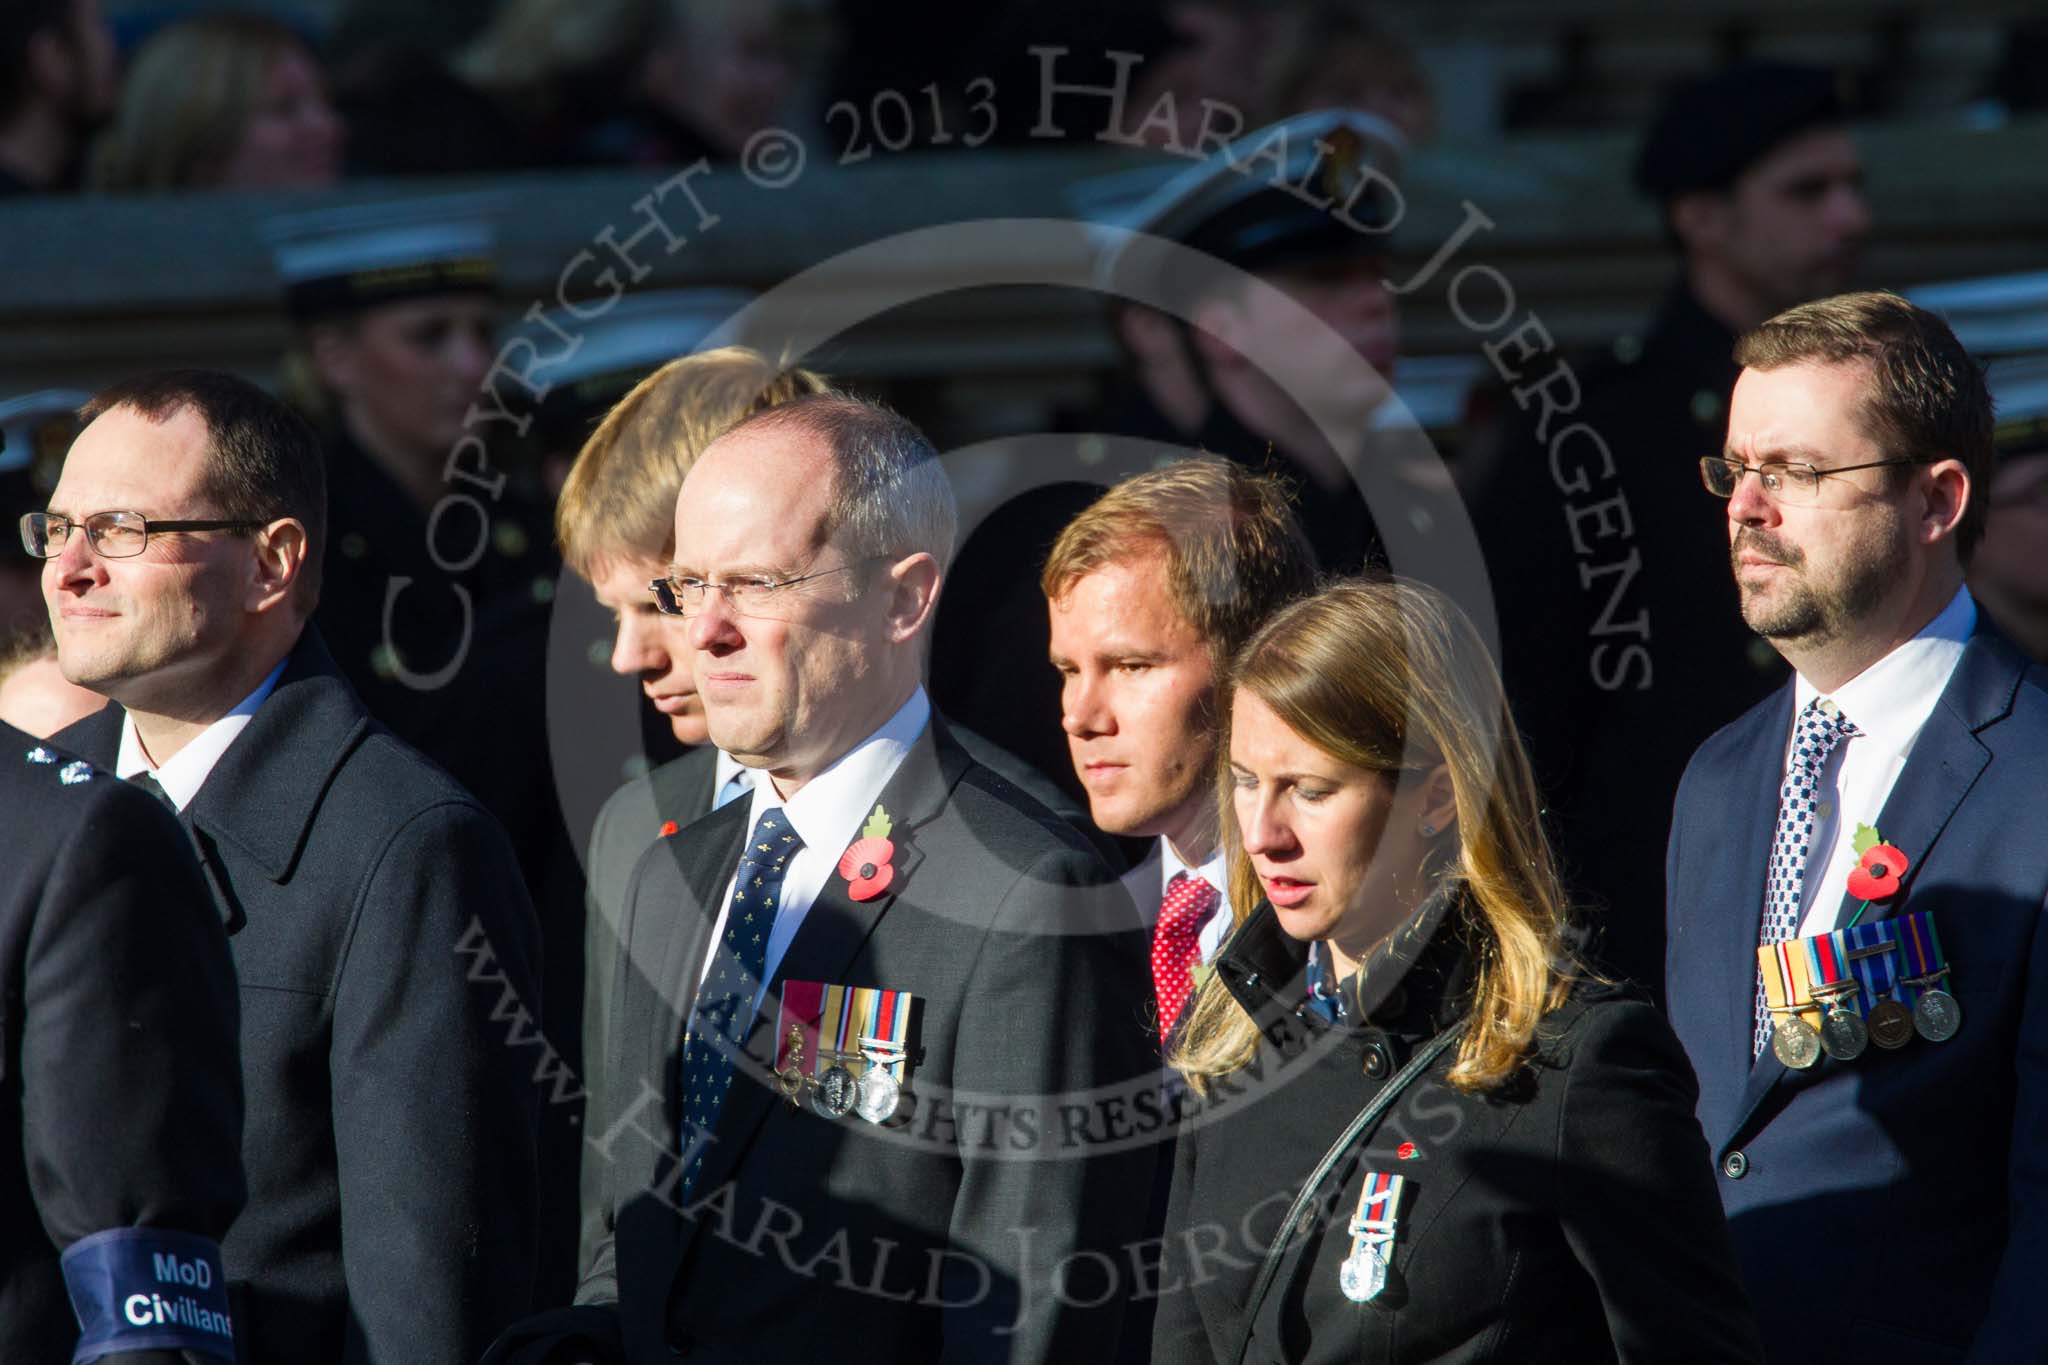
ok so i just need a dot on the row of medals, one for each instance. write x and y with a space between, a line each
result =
835 1091
1844 1035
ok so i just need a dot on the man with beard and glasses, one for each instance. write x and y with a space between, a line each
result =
1857 866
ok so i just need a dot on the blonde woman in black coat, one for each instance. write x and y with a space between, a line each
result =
1422 1133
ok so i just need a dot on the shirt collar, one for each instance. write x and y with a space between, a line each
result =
829 811
1890 700
724 768
1171 866
182 775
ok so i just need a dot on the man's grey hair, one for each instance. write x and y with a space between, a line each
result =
891 493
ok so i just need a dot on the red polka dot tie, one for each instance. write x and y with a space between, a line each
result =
1176 942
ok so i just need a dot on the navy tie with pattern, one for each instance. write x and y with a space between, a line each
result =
1820 728
725 1002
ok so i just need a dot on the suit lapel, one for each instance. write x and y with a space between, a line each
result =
834 931
1753 795
1943 764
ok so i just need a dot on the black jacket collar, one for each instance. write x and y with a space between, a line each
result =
1415 983
263 793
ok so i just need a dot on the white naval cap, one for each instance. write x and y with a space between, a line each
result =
1317 185
360 255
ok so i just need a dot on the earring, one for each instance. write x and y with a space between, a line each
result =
1428 831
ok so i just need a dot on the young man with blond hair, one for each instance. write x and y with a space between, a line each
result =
1151 591
615 520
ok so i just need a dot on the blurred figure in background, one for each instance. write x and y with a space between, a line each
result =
396 315
59 78
576 82
224 101
1330 56
2009 573
725 71
35 431
1619 654
1272 345
520 94
34 694
1216 51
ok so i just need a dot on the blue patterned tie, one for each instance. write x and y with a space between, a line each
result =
725 1002
1820 728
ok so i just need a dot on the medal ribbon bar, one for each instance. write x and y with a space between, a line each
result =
1785 975
1381 1191
1830 979
1868 949
1921 948
888 1027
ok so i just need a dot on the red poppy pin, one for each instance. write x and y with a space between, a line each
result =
1879 866
668 827
867 865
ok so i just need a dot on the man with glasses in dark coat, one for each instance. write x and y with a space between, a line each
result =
390 1141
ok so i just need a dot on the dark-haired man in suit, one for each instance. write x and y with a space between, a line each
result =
854 1009
1857 867
390 1135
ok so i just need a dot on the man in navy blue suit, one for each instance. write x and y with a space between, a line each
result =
1884 1157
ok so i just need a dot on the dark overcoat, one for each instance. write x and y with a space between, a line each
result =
384 946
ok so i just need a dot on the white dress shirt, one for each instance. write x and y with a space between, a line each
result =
185 772
1147 883
827 815
1888 702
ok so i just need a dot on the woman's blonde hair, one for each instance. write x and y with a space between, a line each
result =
186 100
620 497
1389 675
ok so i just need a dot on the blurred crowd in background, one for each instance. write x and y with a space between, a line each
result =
116 96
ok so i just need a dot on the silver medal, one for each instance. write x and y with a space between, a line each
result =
835 1095
1794 1042
1937 1016
1842 1035
879 1095
1363 1275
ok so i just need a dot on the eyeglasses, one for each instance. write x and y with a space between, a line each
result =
112 535
1793 483
757 596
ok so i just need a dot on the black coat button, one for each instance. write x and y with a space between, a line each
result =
1735 1165
1376 1063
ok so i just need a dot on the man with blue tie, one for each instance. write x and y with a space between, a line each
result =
866 1018
1857 867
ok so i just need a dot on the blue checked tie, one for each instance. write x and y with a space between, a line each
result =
725 1002
1820 728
